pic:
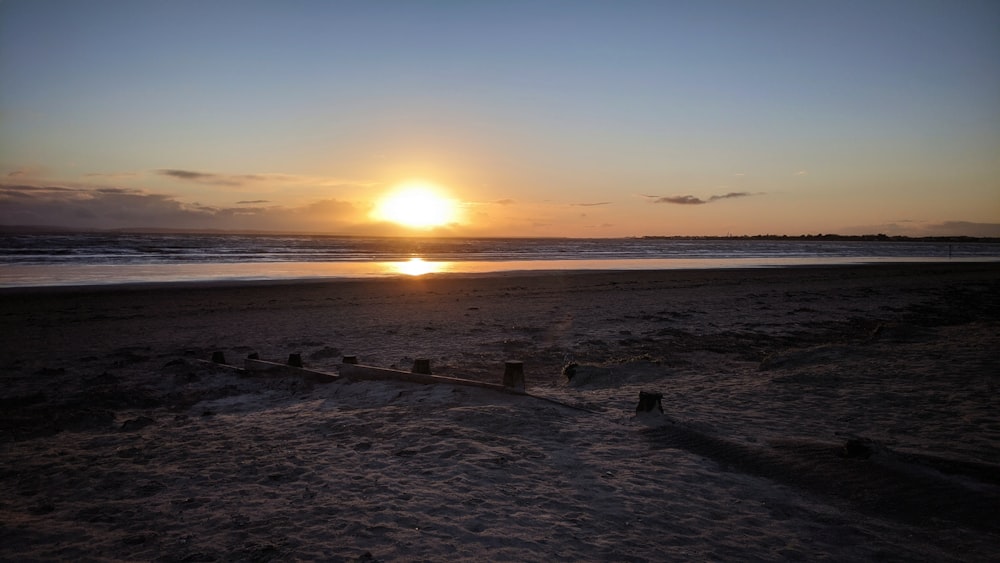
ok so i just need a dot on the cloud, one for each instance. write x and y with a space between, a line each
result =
730 195
692 200
85 208
681 200
591 204
504 202
184 174
802 173
117 191
208 177
11 189
112 207
111 175
233 180
252 202
22 172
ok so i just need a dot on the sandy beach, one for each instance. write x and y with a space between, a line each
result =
813 413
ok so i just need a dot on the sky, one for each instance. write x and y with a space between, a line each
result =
540 118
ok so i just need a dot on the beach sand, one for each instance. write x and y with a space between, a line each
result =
827 413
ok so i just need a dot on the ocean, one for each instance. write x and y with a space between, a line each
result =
113 258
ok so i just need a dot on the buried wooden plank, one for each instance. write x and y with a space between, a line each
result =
214 364
362 372
370 373
348 370
274 368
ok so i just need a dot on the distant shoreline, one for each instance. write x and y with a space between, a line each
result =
880 237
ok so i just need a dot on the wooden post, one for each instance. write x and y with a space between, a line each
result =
422 365
513 375
295 360
858 448
218 357
648 402
350 360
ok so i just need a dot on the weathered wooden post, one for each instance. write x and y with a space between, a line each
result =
422 365
513 375
218 357
648 402
858 448
350 360
295 360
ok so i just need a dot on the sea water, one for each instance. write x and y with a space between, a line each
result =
102 258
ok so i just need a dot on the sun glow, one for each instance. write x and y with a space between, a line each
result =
417 205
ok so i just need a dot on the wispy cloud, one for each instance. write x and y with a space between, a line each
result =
8 189
185 174
681 200
802 173
116 191
235 180
111 175
252 202
22 172
212 178
692 200
595 204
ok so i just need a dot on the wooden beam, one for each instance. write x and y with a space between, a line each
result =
274 368
362 372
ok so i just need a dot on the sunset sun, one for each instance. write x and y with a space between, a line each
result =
417 205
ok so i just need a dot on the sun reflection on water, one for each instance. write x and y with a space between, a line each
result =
418 267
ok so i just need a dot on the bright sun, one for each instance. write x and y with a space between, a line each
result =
416 205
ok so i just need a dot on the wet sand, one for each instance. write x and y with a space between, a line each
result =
117 442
